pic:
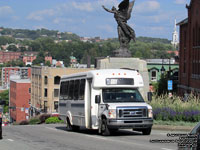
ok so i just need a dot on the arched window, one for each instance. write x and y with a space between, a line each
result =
57 80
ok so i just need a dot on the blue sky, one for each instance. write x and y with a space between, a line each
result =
152 18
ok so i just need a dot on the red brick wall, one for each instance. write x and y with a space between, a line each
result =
190 51
9 56
19 97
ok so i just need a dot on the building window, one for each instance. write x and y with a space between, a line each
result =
29 90
56 106
153 75
57 80
56 91
45 80
45 106
45 92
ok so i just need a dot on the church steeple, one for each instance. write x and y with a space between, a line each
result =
175 36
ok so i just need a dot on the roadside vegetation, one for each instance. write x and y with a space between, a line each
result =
44 118
175 109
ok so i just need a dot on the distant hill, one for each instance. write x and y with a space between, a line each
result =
34 34
153 40
147 40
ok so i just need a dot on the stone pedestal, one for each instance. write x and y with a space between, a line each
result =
122 52
128 63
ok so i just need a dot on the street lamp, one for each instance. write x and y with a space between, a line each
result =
162 68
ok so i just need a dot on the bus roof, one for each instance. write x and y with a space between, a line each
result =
99 76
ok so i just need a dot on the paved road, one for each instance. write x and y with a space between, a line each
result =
55 137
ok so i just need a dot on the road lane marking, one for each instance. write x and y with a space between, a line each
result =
166 149
10 140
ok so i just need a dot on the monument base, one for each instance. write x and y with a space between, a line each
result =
127 63
122 52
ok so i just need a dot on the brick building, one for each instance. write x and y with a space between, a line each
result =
20 96
22 72
28 59
189 64
45 87
6 56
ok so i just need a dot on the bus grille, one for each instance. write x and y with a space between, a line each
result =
132 112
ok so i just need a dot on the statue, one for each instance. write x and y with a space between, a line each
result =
125 32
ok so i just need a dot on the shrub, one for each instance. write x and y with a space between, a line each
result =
23 122
52 120
43 117
34 121
175 109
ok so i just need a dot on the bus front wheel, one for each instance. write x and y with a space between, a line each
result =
104 128
146 131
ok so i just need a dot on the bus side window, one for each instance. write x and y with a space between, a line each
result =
82 89
66 89
71 90
76 89
61 90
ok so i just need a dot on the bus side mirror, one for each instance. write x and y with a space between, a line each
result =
97 99
149 95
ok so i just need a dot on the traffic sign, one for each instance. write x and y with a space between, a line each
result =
170 85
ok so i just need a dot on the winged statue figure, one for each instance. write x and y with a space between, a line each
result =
122 15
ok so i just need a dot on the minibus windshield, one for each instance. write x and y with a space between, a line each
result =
120 95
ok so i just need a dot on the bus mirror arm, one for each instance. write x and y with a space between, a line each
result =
97 99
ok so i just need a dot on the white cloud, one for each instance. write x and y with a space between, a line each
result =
4 10
84 6
62 20
39 15
180 1
149 6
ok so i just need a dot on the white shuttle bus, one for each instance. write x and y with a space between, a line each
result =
106 100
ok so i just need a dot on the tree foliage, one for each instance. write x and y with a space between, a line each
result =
44 42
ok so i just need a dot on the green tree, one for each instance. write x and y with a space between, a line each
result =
4 96
40 59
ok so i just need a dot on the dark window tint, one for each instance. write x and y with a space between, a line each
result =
82 89
76 89
45 92
71 90
57 80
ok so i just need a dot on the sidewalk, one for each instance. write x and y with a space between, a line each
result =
172 128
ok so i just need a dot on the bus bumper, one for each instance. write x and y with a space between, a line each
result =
131 123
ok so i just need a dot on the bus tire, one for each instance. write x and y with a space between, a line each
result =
69 126
104 128
146 131
75 128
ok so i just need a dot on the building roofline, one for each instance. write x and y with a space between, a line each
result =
185 21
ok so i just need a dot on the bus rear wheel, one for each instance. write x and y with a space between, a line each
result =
104 128
69 126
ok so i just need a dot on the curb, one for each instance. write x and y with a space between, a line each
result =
172 128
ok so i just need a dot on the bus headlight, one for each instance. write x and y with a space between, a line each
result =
150 113
112 113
